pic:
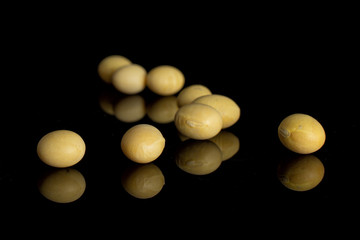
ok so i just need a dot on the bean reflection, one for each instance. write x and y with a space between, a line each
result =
163 109
228 143
198 157
182 137
301 173
107 100
143 181
62 185
130 109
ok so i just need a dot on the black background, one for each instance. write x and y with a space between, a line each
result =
271 66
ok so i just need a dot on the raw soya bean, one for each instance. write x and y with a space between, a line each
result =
130 79
61 148
228 108
165 80
198 121
109 65
142 143
190 93
301 133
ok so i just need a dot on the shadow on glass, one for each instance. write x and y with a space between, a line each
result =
198 157
228 143
163 109
62 185
301 172
143 181
126 108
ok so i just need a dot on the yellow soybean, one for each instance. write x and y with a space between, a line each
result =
109 65
61 148
142 143
165 80
301 133
228 108
198 121
190 93
130 79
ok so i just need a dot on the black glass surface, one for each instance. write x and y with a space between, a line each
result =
59 88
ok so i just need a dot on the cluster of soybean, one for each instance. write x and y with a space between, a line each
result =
200 115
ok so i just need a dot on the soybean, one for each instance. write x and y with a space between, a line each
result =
130 79
228 108
143 143
109 65
61 148
301 133
198 121
165 80
190 93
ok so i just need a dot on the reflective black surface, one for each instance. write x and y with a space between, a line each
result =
268 79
